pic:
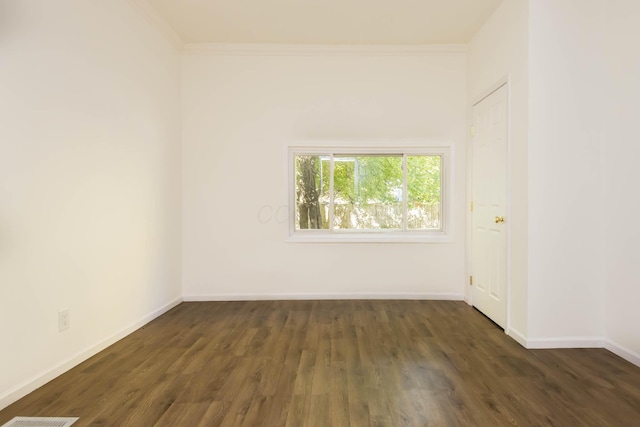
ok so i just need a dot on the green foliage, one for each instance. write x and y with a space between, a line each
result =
344 180
378 179
424 179
368 191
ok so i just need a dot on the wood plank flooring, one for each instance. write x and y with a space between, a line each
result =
336 363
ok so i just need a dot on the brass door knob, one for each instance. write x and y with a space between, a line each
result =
499 219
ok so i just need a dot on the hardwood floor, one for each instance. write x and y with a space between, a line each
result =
336 363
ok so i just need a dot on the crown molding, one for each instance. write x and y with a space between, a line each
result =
260 49
157 21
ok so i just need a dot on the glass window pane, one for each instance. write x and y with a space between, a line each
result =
312 191
424 187
367 192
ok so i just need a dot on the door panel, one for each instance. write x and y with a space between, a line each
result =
489 230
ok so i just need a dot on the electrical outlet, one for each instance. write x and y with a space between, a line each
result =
63 320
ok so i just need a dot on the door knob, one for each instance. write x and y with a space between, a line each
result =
499 219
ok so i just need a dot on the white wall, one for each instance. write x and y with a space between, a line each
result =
566 213
239 115
573 70
89 181
622 175
500 50
90 172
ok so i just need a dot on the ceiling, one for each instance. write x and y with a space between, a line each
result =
326 21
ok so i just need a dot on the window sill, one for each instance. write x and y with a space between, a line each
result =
372 237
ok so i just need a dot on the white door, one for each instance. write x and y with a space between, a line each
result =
489 229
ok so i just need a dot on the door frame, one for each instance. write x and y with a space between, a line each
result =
503 82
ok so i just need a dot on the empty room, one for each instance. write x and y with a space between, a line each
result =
319 213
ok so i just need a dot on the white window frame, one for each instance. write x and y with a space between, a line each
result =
444 234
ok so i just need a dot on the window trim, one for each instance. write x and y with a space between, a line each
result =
362 236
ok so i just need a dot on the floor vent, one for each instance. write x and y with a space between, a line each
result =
40 422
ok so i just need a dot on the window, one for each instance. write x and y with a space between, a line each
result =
369 194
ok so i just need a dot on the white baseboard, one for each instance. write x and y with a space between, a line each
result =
517 336
565 342
579 342
328 296
44 377
625 353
